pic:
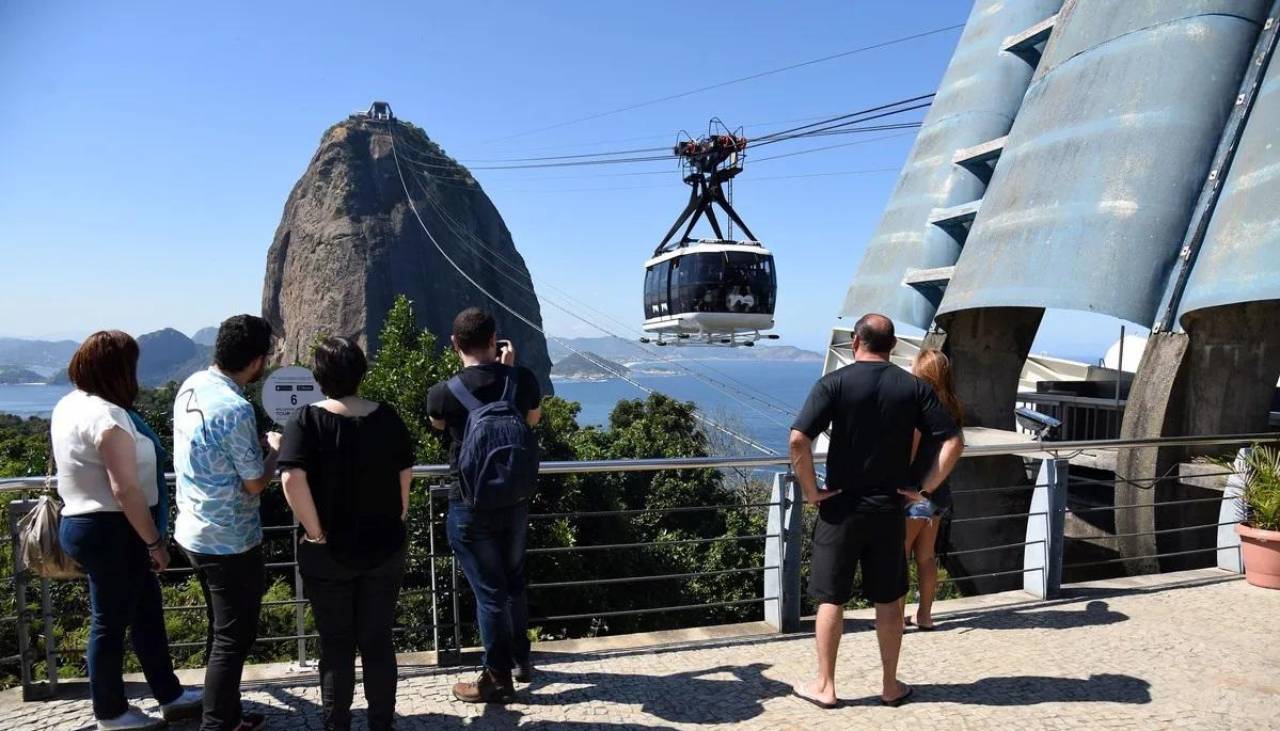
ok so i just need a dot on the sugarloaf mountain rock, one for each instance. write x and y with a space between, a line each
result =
350 241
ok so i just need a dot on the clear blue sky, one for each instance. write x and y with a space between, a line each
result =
148 148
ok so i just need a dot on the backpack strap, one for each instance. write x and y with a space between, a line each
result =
509 391
465 397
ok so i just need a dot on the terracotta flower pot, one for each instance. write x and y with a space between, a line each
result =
1261 549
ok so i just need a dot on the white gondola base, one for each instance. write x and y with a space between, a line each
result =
709 328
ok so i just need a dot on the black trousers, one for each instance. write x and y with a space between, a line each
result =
233 586
354 609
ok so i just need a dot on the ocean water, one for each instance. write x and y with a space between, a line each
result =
30 399
729 392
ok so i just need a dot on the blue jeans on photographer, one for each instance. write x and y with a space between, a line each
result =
490 548
124 593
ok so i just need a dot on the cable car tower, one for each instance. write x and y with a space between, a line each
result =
709 291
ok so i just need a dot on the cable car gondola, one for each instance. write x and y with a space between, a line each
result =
709 291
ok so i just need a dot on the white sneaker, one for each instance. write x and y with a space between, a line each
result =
131 719
188 705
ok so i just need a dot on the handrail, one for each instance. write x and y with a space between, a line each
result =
659 464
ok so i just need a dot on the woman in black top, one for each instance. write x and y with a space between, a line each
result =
346 468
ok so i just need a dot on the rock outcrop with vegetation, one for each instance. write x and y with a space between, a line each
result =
349 243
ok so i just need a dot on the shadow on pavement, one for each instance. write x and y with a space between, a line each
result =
690 697
1025 690
1095 613
502 717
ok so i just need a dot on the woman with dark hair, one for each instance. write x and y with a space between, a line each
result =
346 467
924 518
111 484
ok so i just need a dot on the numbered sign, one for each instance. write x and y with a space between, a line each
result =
287 390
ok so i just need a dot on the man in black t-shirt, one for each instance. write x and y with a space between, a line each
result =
873 409
489 544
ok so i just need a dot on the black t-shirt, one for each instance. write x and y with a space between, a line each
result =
353 466
485 382
873 409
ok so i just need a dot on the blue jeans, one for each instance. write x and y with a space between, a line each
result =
124 593
490 547
922 510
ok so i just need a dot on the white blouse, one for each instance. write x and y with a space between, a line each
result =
78 424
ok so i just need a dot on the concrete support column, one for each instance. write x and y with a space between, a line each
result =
1217 377
988 348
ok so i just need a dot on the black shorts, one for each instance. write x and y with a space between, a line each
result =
841 543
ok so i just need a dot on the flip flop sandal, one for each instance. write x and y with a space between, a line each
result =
900 699
820 704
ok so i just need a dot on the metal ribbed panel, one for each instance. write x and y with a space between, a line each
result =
1089 204
976 102
1240 258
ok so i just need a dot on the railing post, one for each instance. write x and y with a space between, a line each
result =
31 690
431 566
1046 525
299 610
1230 513
50 637
451 655
454 655
782 555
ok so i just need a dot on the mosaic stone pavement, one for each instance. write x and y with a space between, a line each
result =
1193 650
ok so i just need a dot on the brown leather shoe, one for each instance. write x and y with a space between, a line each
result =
492 686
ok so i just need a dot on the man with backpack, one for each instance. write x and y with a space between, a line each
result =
488 411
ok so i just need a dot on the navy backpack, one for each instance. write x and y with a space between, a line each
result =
498 457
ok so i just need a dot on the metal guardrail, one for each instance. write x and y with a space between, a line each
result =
1034 448
779 566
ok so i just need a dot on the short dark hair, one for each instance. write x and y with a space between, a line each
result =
340 365
241 339
474 328
876 333
106 365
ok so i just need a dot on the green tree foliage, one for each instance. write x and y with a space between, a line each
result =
408 362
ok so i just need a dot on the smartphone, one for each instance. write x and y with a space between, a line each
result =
503 345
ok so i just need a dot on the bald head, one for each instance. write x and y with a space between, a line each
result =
873 334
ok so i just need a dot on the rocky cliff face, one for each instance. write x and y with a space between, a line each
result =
349 243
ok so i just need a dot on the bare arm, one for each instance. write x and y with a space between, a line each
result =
256 486
534 416
437 424
801 447
119 456
406 479
946 460
298 494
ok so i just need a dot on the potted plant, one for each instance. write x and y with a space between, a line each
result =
1259 528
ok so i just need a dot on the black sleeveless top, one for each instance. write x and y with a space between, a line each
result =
353 466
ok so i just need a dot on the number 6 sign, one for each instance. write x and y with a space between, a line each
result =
287 389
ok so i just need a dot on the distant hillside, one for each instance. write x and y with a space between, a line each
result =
34 354
628 352
15 374
576 367
168 355
205 336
